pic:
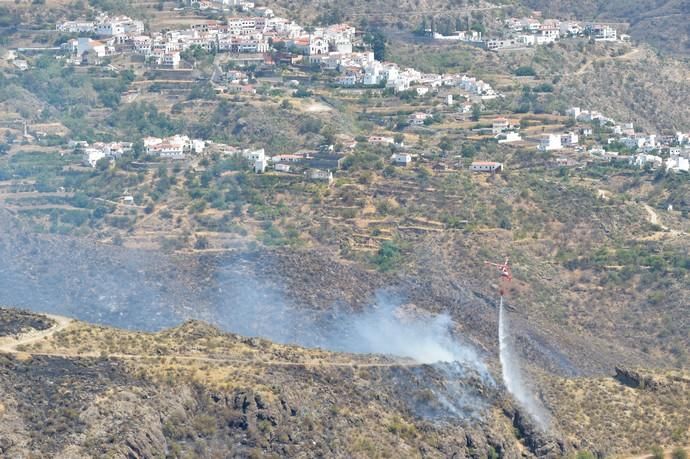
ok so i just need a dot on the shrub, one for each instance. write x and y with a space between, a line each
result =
657 452
525 71
388 256
679 453
204 425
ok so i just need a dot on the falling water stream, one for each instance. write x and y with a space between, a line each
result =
512 376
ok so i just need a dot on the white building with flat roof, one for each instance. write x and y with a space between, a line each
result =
550 142
486 166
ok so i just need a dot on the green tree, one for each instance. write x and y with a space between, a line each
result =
388 256
525 70
679 453
445 144
476 112
468 150
377 41
328 133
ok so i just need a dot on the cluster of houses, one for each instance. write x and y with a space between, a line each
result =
330 48
175 147
242 5
645 148
92 153
468 36
533 31
240 35
315 165
361 69
104 26
506 130
678 160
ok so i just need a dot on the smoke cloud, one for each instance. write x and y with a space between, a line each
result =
449 384
149 291
247 307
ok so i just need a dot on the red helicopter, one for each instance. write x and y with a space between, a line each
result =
506 273
504 268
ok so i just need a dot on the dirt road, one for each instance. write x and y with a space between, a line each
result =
9 344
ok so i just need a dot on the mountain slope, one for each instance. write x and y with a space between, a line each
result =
193 391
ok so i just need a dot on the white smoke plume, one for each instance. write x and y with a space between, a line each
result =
512 375
387 328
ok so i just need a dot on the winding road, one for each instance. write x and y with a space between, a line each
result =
9 344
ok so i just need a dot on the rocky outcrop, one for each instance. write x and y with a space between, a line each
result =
637 380
539 442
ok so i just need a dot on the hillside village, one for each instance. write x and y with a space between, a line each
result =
262 40
280 168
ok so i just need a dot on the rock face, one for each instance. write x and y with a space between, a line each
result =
542 444
636 380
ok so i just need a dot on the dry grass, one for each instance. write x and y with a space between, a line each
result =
602 411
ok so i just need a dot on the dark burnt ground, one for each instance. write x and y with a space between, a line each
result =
51 392
14 322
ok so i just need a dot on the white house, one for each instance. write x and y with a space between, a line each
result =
550 142
254 155
76 27
260 166
119 25
401 159
677 163
501 125
508 137
171 60
602 32
571 28
418 118
486 166
628 129
642 159
100 150
321 176
381 139
635 142
198 146
93 155
570 139
84 45
175 147
282 167
317 46
21 64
